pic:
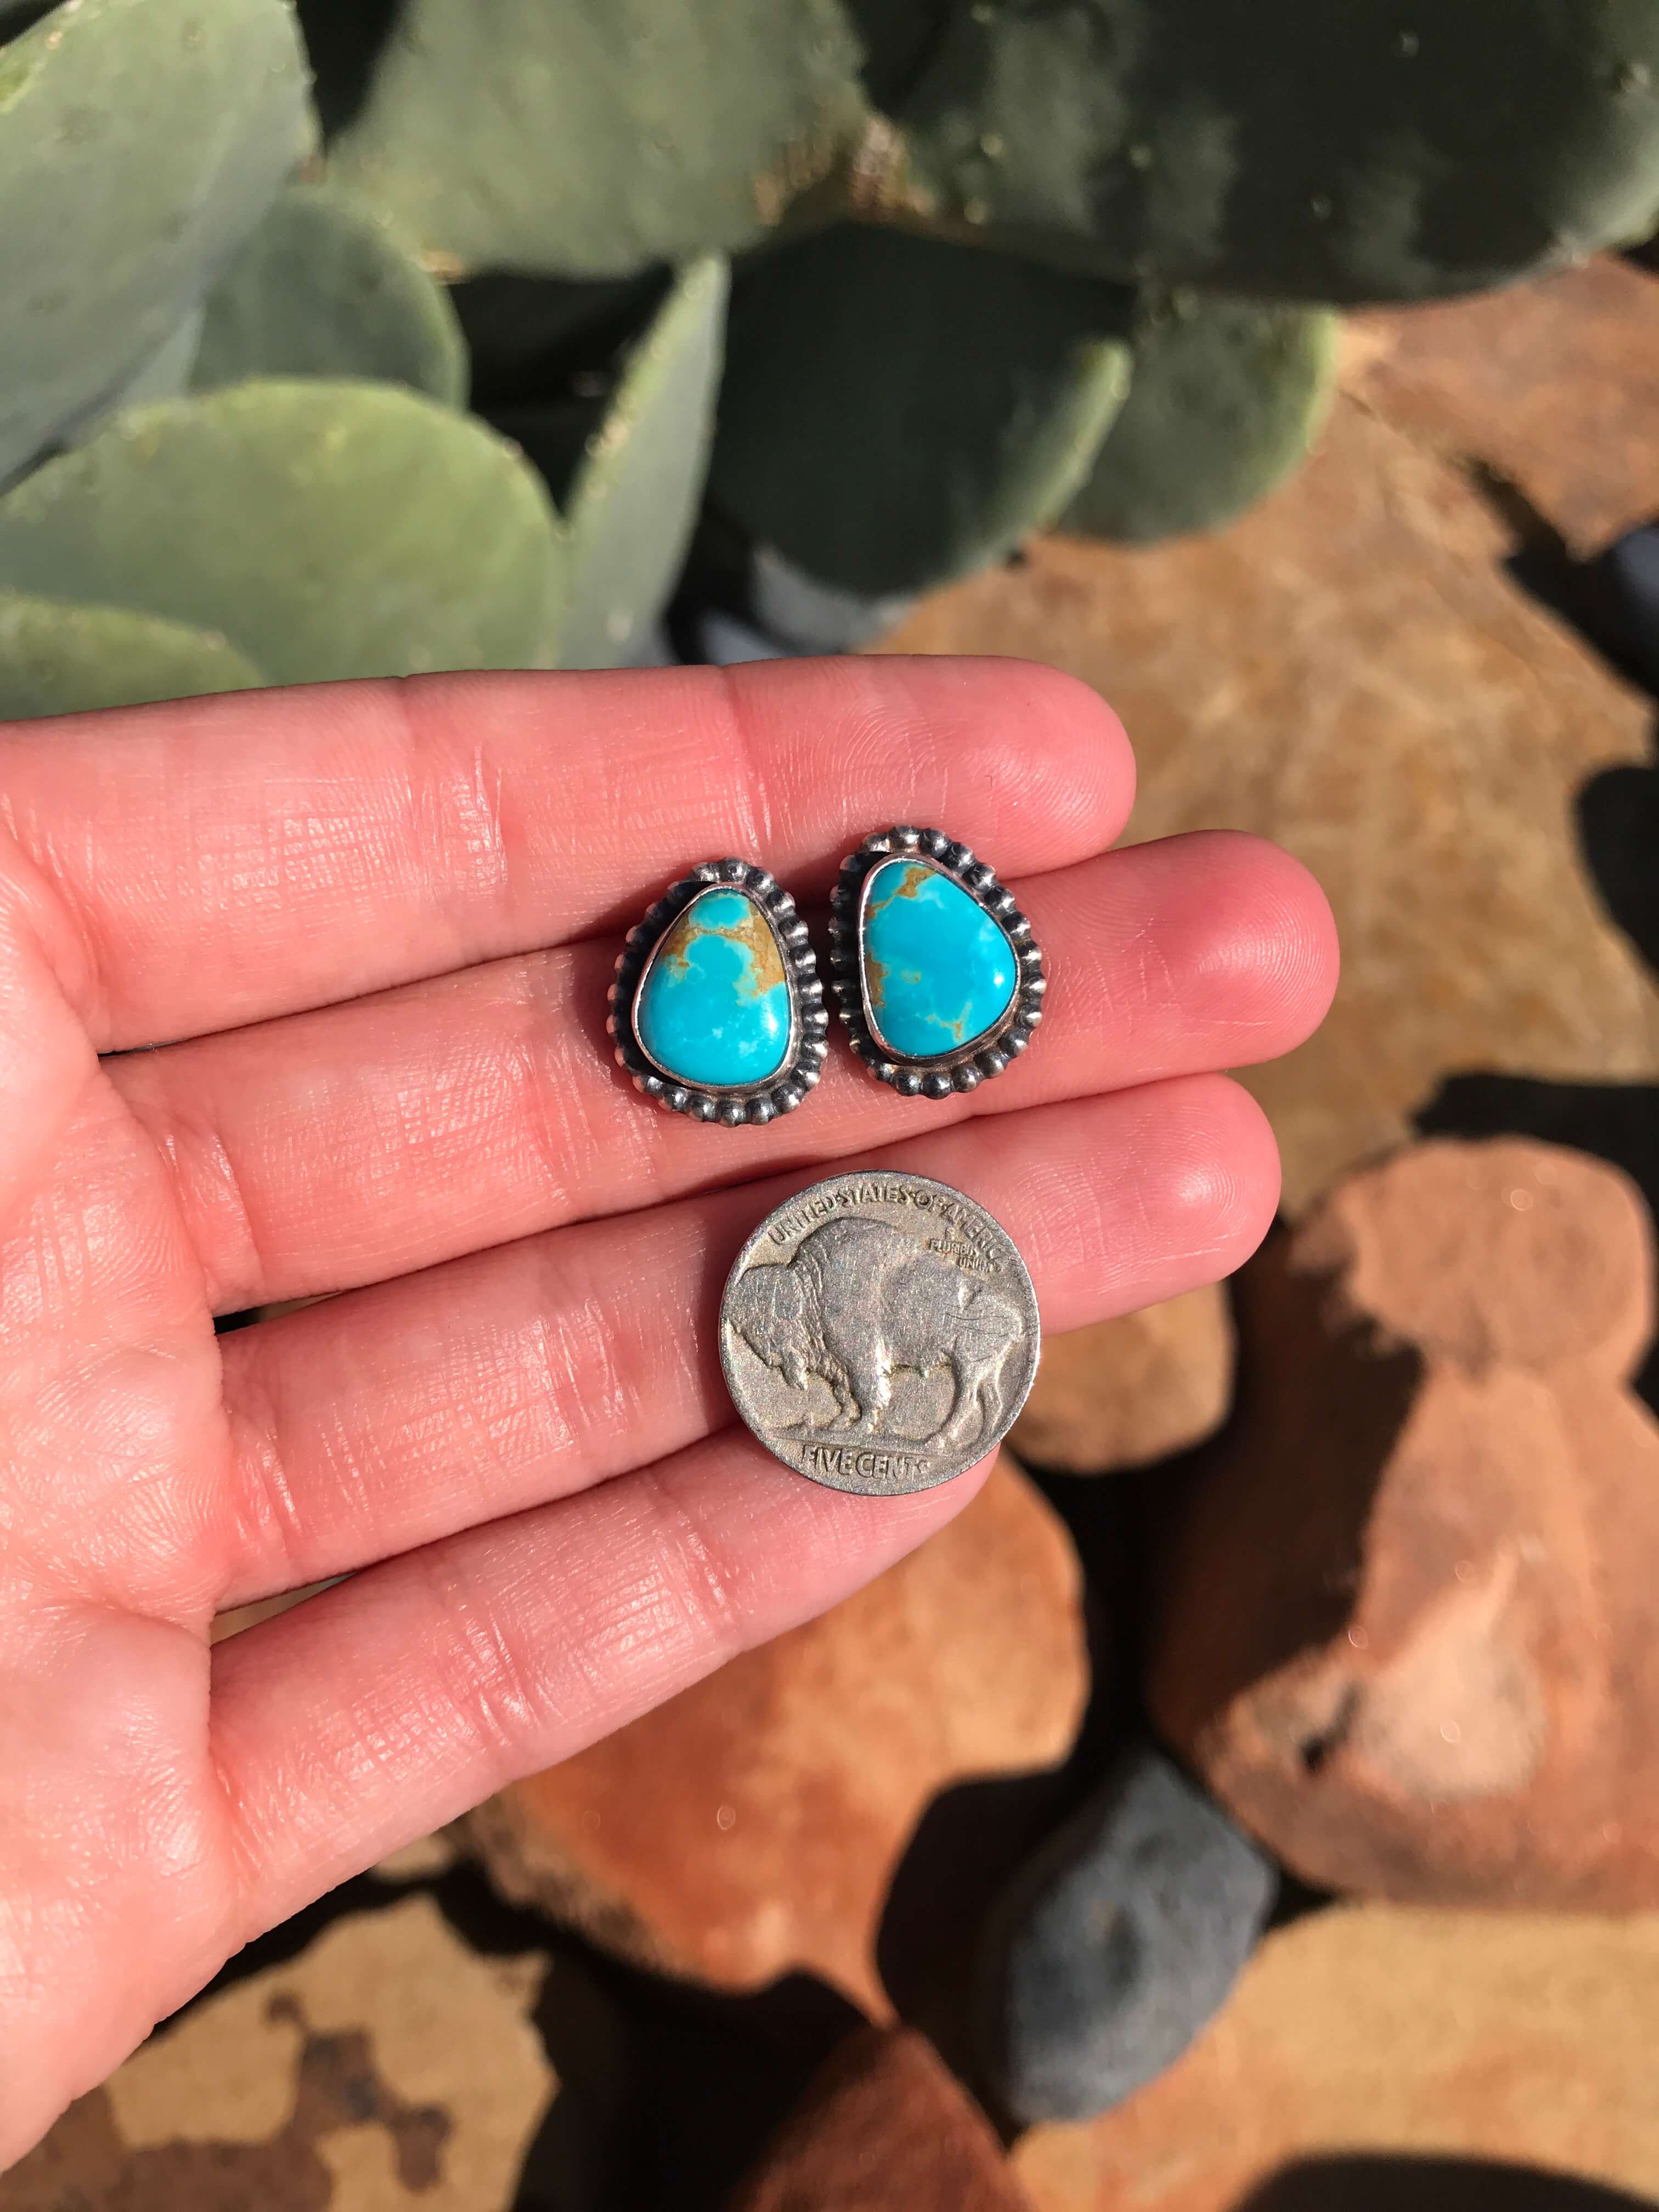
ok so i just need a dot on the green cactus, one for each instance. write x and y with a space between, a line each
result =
140 142
1363 151
634 504
904 396
322 288
593 137
61 659
164 375
324 529
1226 400
898 411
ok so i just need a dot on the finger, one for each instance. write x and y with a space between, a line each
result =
47 1068
226 859
393 1417
373 1713
348 1146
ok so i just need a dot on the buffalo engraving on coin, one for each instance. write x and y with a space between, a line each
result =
879 1333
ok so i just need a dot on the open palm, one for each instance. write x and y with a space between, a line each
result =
510 1432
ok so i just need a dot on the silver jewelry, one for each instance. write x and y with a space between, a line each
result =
720 1018
973 964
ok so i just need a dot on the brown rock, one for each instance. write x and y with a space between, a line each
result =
752 1823
242 1617
1348 671
1130 1391
387 2067
1553 386
1410 1633
81 2163
884 2126
427 1859
1370 2029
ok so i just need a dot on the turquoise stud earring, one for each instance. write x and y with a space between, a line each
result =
717 1011
937 976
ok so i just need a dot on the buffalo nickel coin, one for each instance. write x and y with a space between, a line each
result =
879 1333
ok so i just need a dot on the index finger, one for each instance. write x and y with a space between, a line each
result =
221 860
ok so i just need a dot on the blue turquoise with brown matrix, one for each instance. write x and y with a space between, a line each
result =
713 1009
938 970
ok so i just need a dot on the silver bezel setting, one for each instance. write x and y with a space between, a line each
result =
809 1018
986 1056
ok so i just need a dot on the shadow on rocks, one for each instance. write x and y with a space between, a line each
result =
1619 830
672 2091
714 2079
1429 2185
967 1847
1615 605
975 1837
668 2092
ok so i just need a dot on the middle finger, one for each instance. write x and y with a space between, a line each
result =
364 1142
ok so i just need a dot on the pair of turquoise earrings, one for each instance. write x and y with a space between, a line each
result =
717 1010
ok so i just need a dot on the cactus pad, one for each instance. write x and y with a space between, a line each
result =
325 529
634 504
898 411
1371 150
593 137
140 142
60 659
1226 400
322 288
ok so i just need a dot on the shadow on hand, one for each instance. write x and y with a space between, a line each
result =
1430 2184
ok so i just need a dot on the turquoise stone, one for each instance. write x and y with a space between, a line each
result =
713 1009
938 971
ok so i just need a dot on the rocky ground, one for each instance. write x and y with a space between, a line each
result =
1251 1804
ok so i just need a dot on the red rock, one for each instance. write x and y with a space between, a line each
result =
1555 387
884 2127
1349 671
1375 2032
1130 1391
752 1823
1409 1629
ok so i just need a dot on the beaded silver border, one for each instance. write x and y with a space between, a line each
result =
781 1093
986 1056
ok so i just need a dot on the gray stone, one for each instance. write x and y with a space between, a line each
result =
813 617
1117 1944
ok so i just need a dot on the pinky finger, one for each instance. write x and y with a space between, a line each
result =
394 1702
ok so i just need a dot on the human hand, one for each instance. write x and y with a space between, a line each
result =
511 1432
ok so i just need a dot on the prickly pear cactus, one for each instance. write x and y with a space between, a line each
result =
322 288
898 411
61 659
1227 398
634 504
242 403
141 141
1370 150
324 529
593 137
